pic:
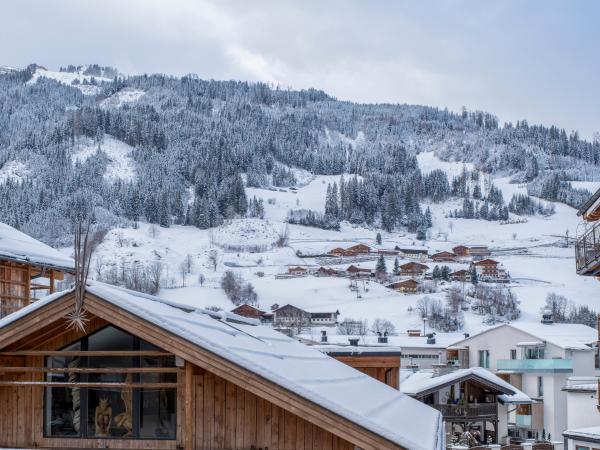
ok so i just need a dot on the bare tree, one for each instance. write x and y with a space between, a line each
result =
213 258
183 271
153 231
201 279
383 326
155 273
189 263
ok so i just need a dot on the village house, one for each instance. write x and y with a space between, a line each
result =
338 251
326 272
536 358
297 271
405 286
413 269
154 374
489 270
461 250
290 315
473 401
380 361
249 311
414 252
443 257
461 275
29 269
359 249
475 251
324 318
358 272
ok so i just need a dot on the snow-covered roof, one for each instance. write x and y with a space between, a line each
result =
402 340
416 383
17 246
588 433
568 336
285 362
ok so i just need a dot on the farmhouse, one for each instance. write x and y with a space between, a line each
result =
290 315
443 257
359 249
355 271
153 374
476 251
326 272
297 270
413 269
249 311
338 251
27 266
461 250
406 286
414 252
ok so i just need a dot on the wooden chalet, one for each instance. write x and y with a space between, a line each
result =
249 311
587 247
326 272
28 269
443 257
338 251
359 249
355 271
152 374
462 275
290 315
413 269
405 287
461 250
487 268
414 252
297 270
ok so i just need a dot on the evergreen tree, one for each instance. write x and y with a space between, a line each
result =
380 268
396 266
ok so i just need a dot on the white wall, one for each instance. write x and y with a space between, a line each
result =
581 410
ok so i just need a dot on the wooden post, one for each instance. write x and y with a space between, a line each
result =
51 282
188 432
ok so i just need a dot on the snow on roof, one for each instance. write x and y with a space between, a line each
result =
283 361
17 246
568 336
415 383
403 340
584 433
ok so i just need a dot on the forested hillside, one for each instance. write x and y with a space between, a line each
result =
193 146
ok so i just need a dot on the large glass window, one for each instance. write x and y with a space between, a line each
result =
147 412
484 359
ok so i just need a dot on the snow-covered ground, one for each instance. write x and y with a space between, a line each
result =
118 99
120 165
533 252
14 171
68 78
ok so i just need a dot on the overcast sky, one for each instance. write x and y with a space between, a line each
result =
536 59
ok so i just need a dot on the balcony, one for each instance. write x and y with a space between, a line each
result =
587 252
535 365
471 410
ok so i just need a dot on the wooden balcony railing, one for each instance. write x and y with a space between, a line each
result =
587 252
472 410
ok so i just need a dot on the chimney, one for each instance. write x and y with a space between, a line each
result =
466 335
547 318
382 339
323 336
431 338
353 342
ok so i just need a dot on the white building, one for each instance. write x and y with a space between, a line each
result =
582 402
582 438
536 358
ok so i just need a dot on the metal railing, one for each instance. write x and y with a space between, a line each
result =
587 250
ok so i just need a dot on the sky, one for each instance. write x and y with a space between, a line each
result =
537 60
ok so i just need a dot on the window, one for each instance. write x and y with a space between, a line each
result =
534 353
513 353
110 412
540 386
484 359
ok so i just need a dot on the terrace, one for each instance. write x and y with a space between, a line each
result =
587 252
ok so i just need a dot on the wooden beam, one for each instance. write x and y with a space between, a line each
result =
99 353
90 369
90 385
189 406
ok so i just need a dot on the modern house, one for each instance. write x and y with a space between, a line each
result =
443 257
29 269
536 358
473 401
587 247
153 374
413 269
405 286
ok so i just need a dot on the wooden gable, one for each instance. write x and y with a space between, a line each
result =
220 404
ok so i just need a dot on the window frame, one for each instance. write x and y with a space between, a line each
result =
137 414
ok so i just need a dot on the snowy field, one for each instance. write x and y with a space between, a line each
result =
68 78
120 165
533 252
14 171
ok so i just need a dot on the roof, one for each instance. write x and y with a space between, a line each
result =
591 434
360 350
414 264
283 361
402 340
568 336
589 203
19 247
485 262
423 382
